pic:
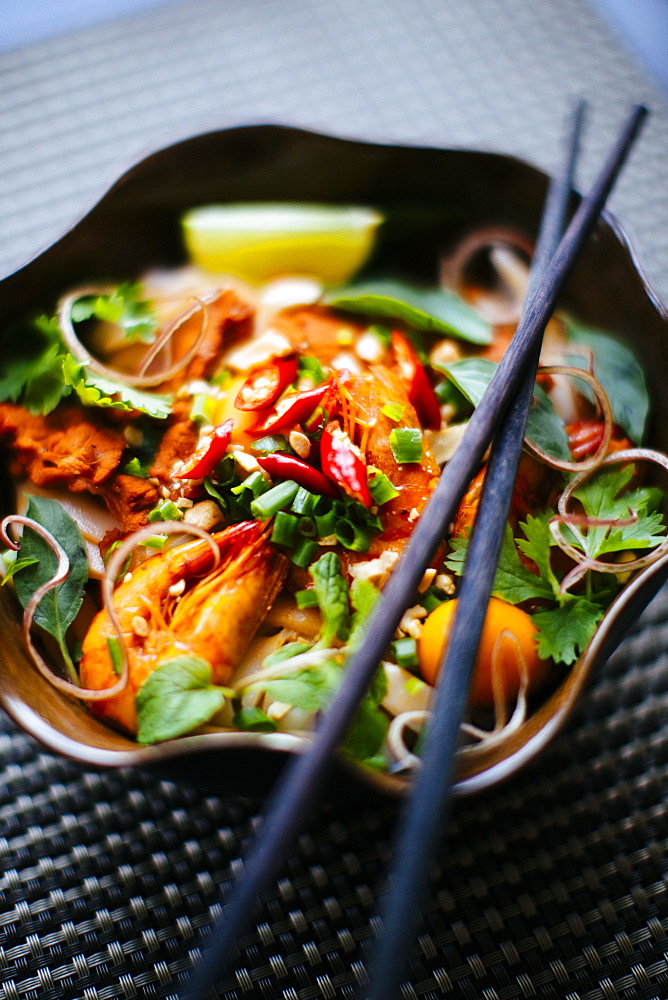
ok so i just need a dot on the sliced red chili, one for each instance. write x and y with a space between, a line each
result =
297 408
287 467
420 391
342 464
264 385
208 453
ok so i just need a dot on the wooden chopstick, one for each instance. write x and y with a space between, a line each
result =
430 797
298 786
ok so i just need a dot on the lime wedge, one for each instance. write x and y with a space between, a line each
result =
260 241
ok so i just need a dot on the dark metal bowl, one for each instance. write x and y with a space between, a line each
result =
432 197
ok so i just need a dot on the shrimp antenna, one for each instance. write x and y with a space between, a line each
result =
298 787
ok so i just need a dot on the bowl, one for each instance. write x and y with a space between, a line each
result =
432 199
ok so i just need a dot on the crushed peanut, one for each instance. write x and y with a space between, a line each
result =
133 436
411 622
445 582
375 570
300 443
183 503
206 514
140 626
427 580
278 710
177 588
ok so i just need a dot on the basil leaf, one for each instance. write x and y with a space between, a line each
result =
618 371
544 426
440 312
59 607
95 390
309 689
331 589
176 698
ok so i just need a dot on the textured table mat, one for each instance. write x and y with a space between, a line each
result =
553 885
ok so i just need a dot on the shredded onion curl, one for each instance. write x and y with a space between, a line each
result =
591 463
582 560
77 349
503 725
396 743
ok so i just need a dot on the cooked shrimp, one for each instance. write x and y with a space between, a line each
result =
214 617
363 399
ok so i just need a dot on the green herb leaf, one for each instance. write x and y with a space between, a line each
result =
309 689
124 307
604 496
16 566
440 312
176 698
363 595
618 371
32 365
471 376
252 719
331 588
406 444
564 632
94 390
513 581
59 607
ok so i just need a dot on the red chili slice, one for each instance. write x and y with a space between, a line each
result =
208 453
287 467
341 463
296 409
264 385
420 391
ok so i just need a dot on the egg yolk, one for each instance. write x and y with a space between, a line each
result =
507 641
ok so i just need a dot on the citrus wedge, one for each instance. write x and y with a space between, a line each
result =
260 241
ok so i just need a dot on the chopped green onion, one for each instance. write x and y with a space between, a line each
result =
404 652
156 542
286 653
305 552
166 510
414 685
202 408
306 526
380 487
326 524
254 720
394 411
311 368
432 598
135 468
306 598
255 482
270 443
273 500
284 531
352 536
406 444
304 502
114 647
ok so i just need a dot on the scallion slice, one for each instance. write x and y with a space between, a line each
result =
380 487
284 531
305 552
406 444
269 503
405 652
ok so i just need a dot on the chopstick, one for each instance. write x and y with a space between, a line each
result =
297 788
430 795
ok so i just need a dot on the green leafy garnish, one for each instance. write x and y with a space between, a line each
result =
59 607
331 589
471 376
602 496
95 390
123 307
406 444
619 373
176 698
440 311
32 371
253 720
15 566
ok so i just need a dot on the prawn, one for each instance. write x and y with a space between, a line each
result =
180 602
363 401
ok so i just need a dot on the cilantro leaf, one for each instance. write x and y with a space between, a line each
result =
32 365
536 546
122 306
176 698
603 496
95 390
564 632
513 582
331 588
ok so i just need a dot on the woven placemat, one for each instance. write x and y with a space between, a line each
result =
552 885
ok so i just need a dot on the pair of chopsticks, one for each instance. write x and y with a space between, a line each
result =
508 397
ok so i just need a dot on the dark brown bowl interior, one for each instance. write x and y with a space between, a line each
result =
431 197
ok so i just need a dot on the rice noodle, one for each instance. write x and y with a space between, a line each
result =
77 349
591 463
396 743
